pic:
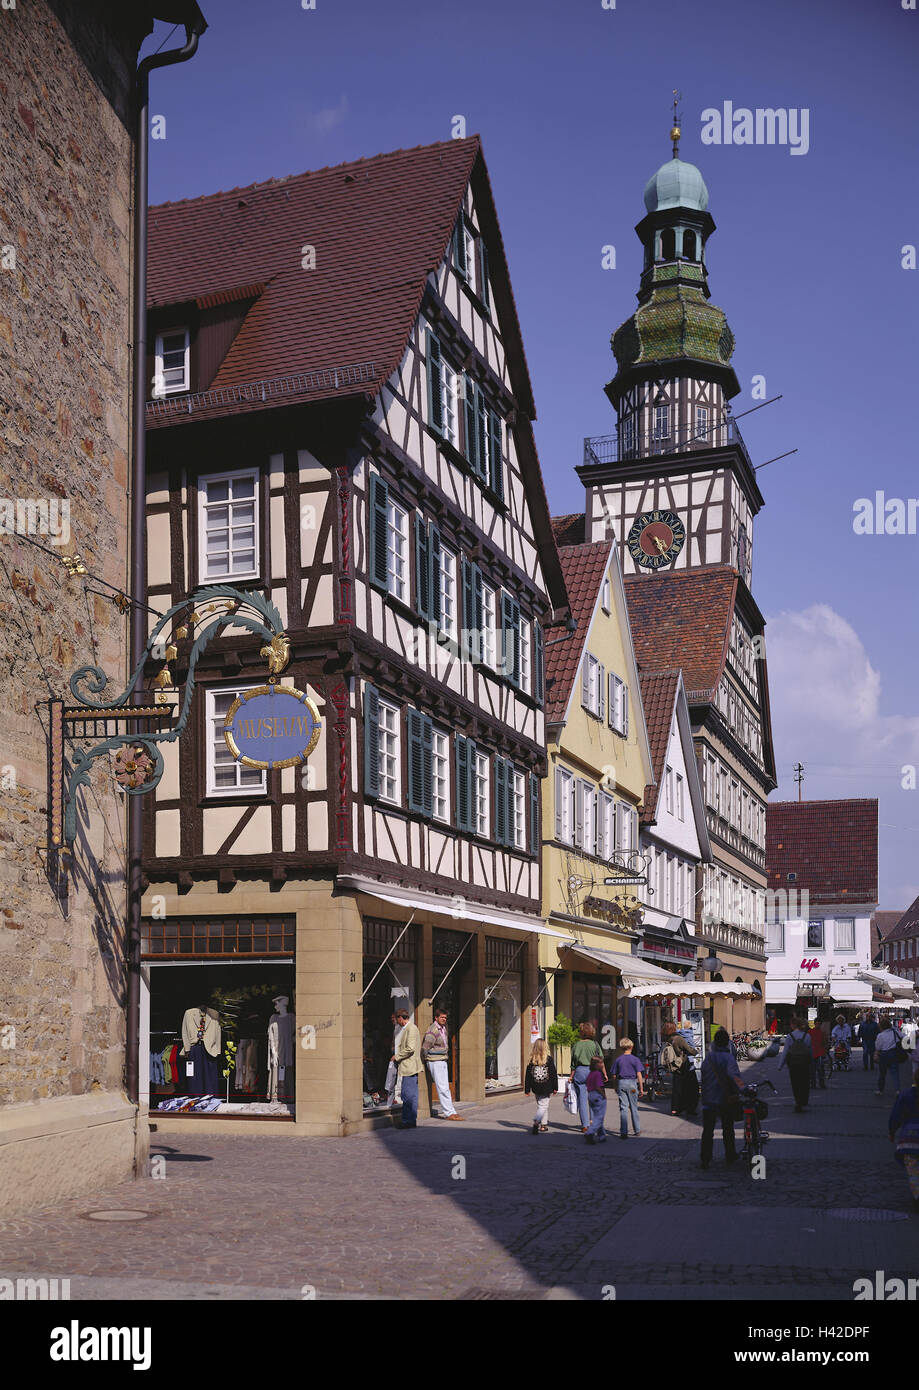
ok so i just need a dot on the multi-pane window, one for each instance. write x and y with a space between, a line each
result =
397 550
172 363
482 800
775 936
224 774
525 666
587 817
440 765
447 581
451 385
564 806
388 746
489 626
661 421
518 833
606 846
845 933
701 421
627 436
593 678
228 525
680 807
618 705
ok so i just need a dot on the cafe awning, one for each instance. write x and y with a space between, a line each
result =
779 991
633 969
890 983
459 908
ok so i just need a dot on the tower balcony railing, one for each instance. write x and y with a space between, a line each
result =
626 445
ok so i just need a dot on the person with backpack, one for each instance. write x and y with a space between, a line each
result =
541 1080
903 1129
890 1055
797 1057
721 1083
675 1059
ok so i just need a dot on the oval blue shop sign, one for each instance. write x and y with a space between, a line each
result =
272 726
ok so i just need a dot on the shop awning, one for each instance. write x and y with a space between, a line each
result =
886 980
461 911
682 988
781 991
849 991
633 969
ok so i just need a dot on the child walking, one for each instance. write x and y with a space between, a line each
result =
596 1098
542 1081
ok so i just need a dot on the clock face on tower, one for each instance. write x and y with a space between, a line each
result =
656 539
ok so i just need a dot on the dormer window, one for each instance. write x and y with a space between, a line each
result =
172 368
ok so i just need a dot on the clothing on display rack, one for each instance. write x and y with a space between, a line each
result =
280 1048
201 1046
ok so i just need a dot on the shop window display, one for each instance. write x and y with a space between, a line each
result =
222 1038
389 982
502 1032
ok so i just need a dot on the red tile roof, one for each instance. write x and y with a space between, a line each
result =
658 696
379 226
570 529
832 846
682 620
583 568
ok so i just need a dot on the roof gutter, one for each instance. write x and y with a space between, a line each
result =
195 25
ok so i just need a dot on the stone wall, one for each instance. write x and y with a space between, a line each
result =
66 162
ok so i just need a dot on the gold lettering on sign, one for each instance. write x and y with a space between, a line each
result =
275 728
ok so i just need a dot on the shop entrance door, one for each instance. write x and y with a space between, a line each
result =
451 963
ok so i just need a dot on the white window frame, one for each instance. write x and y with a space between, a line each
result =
525 662
389 753
214 733
668 790
489 627
840 921
440 776
605 595
701 422
204 507
397 550
627 436
469 242
594 681
451 395
482 790
777 930
680 802
617 699
160 387
518 827
448 599
606 828
661 421
587 806
564 792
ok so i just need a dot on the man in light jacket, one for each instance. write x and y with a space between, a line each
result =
407 1058
434 1051
888 1041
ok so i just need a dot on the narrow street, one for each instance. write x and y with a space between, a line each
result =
534 1217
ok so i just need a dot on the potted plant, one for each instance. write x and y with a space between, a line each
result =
560 1036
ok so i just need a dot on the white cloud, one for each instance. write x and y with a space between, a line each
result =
322 121
826 713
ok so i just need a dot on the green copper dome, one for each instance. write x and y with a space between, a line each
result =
676 185
676 323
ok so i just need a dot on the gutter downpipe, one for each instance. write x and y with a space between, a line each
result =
193 31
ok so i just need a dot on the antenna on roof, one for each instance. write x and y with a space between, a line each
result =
799 777
677 119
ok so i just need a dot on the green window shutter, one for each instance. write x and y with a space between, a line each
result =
481 426
539 667
379 559
495 461
422 568
510 627
414 727
427 764
463 798
484 293
470 421
468 643
435 385
502 828
434 612
534 813
459 248
371 741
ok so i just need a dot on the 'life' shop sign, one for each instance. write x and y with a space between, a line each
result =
272 726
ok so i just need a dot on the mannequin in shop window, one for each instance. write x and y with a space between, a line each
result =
201 1047
280 1048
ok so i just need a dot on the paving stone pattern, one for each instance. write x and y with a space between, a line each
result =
542 1217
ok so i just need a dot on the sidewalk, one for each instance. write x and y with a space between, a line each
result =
515 1215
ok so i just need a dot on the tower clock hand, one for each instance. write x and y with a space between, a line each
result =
660 544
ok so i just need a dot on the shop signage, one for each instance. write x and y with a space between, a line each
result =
615 882
272 726
809 964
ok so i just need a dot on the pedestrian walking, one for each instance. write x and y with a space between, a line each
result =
903 1128
841 1038
675 1057
819 1055
596 1096
540 1081
407 1057
628 1077
582 1053
720 1086
888 1050
868 1031
797 1057
434 1052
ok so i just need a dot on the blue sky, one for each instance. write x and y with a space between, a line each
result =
573 105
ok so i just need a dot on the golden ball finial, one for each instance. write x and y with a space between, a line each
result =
675 133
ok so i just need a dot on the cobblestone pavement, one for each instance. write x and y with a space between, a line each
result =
515 1215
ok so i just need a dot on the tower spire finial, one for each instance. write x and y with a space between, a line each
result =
675 129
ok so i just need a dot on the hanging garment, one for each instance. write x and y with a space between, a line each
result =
205 1076
201 1025
174 1062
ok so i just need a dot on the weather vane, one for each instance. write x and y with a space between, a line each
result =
677 118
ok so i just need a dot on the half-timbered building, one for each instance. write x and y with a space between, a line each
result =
340 419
